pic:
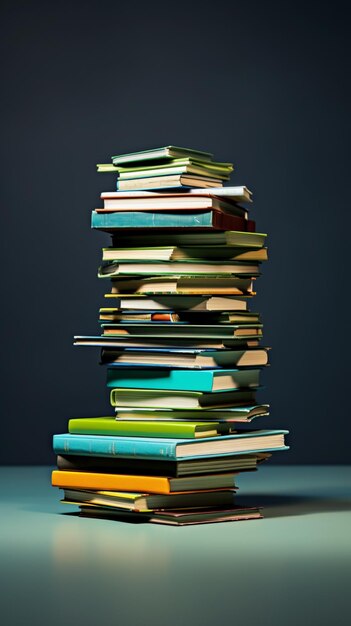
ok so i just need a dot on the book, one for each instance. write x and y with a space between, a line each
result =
182 380
249 357
249 238
161 467
211 169
198 253
185 302
239 194
143 484
111 314
126 341
113 268
188 165
152 447
171 181
171 399
175 518
189 161
230 208
163 154
183 285
157 428
221 331
145 501
231 415
138 220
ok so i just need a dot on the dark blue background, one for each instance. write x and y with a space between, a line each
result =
262 84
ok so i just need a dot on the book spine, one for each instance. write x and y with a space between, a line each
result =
114 447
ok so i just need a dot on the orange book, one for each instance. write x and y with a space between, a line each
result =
143 484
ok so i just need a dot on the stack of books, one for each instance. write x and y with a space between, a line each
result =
181 348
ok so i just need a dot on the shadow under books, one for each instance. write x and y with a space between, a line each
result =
277 506
284 506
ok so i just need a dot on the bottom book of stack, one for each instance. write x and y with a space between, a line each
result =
177 481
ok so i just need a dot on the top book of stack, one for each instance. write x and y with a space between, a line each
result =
167 167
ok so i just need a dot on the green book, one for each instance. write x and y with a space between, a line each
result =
126 428
214 166
169 399
221 170
178 166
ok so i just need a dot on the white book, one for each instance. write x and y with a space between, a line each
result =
238 194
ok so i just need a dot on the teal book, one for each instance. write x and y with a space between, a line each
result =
248 442
183 380
170 219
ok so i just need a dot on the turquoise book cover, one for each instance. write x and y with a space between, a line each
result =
157 448
182 380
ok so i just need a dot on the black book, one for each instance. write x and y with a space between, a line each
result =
237 463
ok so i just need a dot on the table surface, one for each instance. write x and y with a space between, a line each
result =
293 567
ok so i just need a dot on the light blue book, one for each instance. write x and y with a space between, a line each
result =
248 442
183 380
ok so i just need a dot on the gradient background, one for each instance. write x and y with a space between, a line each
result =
262 84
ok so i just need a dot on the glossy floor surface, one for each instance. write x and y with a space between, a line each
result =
293 567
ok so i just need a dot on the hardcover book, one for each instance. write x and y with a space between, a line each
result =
198 380
161 467
247 238
197 253
152 447
206 219
109 270
172 181
170 399
160 154
142 484
145 501
238 194
184 302
151 428
176 518
178 358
